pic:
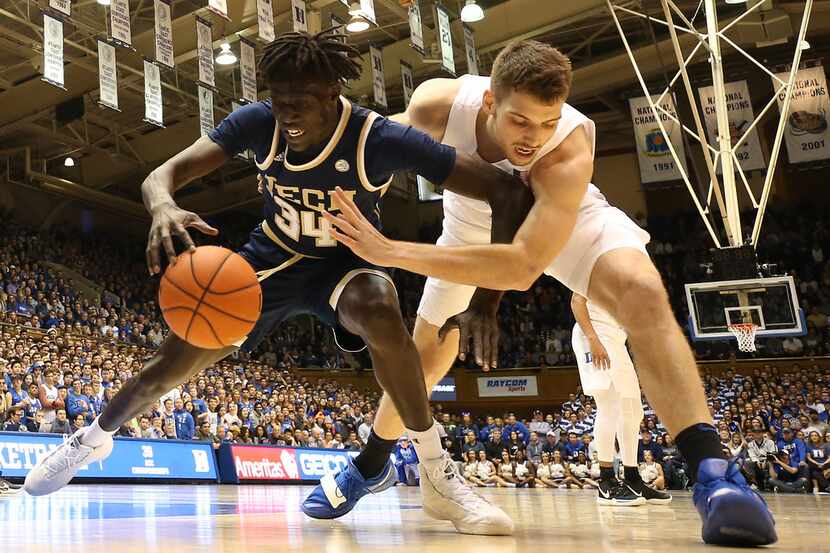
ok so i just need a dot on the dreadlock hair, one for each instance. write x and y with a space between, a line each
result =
301 56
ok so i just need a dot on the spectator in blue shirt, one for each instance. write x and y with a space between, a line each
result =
784 476
795 447
574 447
185 425
646 443
484 433
406 461
512 425
77 403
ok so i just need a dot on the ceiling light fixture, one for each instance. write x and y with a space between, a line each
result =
357 24
104 2
69 162
472 12
225 57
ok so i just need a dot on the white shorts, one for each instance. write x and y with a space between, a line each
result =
621 374
598 230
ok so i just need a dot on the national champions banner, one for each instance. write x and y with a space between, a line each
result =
507 386
807 134
740 114
655 159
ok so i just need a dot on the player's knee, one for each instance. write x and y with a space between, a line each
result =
371 310
644 302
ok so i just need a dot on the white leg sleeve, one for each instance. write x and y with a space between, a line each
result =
605 424
628 429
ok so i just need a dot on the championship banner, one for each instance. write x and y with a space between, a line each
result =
416 28
164 34
265 21
378 79
740 114
153 107
53 51
247 154
247 66
219 7
368 9
120 23
107 76
807 135
204 44
130 459
655 159
206 123
445 39
508 386
470 50
408 82
298 15
62 6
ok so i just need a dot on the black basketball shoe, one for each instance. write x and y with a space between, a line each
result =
7 488
618 494
655 497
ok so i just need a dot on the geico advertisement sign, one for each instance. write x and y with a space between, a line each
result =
285 463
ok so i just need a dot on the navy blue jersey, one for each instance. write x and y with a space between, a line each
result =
360 157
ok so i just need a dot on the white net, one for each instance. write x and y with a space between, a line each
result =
745 334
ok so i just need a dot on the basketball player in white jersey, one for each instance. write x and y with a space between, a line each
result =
518 120
607 374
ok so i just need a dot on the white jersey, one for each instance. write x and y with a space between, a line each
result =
469 220
50 415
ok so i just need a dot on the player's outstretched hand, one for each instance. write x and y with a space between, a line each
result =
170 220
354 231
480 324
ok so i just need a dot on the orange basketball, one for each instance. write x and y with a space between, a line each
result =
211 297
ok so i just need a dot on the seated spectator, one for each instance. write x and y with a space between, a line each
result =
581 472
61 423
651 472
648 444
534 449
506 470
551 443
495 446
574 447
783 476
818 462
15 421
78 423
469 469
524 471
486 472
514 445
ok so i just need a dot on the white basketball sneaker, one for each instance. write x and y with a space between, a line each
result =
447 497
59 466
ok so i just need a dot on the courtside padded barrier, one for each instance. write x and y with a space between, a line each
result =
239 464
131 459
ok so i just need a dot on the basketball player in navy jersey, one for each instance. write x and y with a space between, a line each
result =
518 119
307 139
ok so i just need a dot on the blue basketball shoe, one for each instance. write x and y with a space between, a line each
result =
337 494
732 513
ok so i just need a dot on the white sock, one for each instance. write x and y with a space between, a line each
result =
427 443
95 435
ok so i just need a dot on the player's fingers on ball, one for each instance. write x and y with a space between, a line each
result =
184 236
167 241
152 253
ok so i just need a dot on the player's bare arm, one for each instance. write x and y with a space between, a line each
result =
197 160
558 182
599 355
428 111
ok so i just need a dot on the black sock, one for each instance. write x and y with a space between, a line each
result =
374 457
632 475
696 443
606 474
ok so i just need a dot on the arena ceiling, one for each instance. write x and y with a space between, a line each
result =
115 151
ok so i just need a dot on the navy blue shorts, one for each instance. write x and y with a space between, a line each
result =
304 286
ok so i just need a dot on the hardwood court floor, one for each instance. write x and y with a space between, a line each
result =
237 519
